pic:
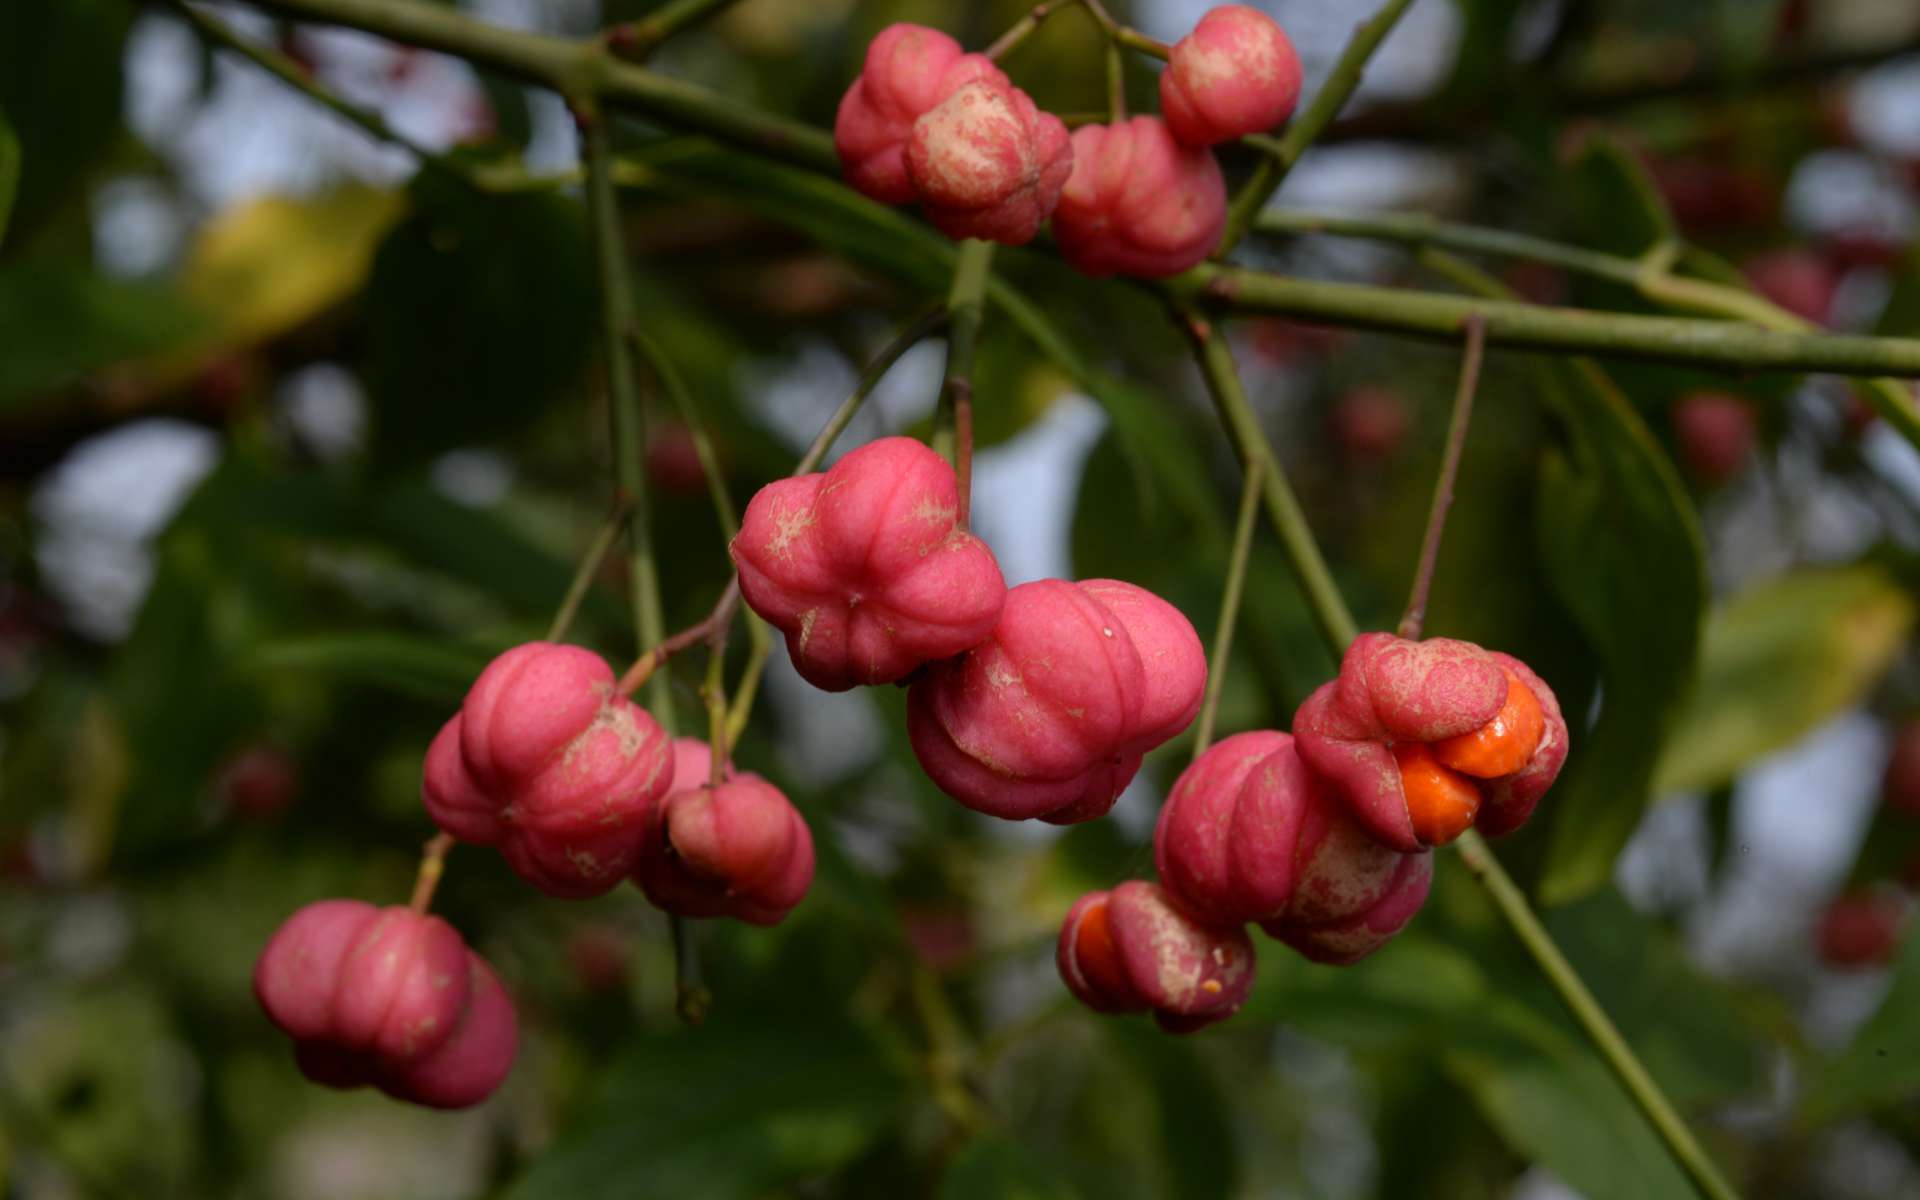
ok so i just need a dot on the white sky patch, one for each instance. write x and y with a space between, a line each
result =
99 510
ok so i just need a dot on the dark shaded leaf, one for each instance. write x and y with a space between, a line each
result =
480 312
1625 556
64 322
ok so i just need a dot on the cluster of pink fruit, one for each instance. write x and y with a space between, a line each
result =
1032 701
579 789
1322 838
926 122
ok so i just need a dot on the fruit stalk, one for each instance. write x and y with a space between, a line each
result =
433 864
953 420
583 574
1462 415
1229 605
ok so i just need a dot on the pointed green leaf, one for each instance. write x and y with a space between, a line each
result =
1624 554
1778 661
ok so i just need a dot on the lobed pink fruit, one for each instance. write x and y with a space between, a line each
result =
1860 929
864 567
1131 950
1902 782
1138 202
1715 434
1235 74
1249 834
738 850
1393 690
550 764
1050 715
909 69
389 998
987 164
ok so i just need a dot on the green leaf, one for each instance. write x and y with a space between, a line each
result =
61 83
996 1165
426 667
273 263
1196 1125
1617 206
1780 660
9 172
64 322
739 1109
1882 1064
480 313
1557 1105
1623 551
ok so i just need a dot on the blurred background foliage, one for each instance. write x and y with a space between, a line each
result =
294 437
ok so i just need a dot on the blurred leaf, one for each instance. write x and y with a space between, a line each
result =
1199 1148
1557 1105
1404 997
1684 1024
64 322
271 264
423 666
1625 555
735 1110
1882 1064
1617 206
480 312
1779 660
996 1166
9 172
60 80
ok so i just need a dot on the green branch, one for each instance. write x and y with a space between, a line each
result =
639 38
1726 344
1649 278
629 436
1309 125
575 69
1329 608
1593 1019
1250 491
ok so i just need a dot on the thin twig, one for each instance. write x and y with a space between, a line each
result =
1020 30
589 566
637 40
217 33
1593 1019
656 656
953 419
433 864
1416 614
1324 601
629 434
1230 604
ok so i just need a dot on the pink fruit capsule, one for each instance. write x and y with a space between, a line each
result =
738 850
986 163
547 762
1130 950
865 568
1138 202
909 69
389 998
1235 74
1050 715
